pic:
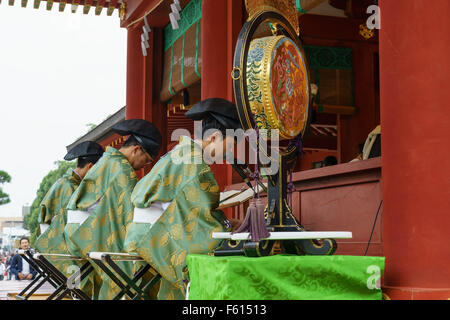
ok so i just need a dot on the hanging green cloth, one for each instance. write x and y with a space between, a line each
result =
183 181
285 277
105 193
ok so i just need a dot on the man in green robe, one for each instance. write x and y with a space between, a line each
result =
100 209
53 214
175 204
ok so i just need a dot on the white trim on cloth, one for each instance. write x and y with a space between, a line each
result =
151 214
76 216
43 227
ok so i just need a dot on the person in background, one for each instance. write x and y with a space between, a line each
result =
359 155
2 268
19 267
8 265
372 146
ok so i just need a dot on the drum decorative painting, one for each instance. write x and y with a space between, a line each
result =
271 76
278 85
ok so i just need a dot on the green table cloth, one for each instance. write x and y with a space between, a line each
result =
285 277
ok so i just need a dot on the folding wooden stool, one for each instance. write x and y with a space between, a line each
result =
128 285
42 276
63 289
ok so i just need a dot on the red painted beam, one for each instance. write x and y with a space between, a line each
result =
157 10
91 2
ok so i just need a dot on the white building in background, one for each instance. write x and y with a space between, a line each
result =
25 210
11 230
11 236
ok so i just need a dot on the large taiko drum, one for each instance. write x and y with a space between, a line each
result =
278 85
271 76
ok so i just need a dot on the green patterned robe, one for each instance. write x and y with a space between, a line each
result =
105 192
53 212
186 226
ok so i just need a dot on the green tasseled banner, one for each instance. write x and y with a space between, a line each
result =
334 58
191 14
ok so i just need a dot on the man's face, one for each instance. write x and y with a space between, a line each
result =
220 145
139 158
24 244
228 145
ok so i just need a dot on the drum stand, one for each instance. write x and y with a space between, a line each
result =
281 223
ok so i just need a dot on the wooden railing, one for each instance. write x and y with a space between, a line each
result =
344 197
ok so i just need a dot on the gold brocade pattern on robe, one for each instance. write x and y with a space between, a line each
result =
53 212
105 192
182 178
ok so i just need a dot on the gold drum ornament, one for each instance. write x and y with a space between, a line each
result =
278 85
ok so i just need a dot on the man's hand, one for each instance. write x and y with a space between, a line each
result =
29 276
21 276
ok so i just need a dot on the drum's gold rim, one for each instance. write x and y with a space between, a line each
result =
267 88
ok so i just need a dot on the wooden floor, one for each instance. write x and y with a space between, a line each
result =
14 287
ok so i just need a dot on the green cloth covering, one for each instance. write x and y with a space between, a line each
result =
53 212
182 178
284 277
104 192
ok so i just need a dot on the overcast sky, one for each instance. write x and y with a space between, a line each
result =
58 72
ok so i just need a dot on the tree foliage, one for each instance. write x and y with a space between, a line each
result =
4 178
91 126
31 219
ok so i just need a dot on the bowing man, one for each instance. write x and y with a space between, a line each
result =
100 209
175 203
53 214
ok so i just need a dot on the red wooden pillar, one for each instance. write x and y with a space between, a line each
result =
155 111
135 74
415 122
214 49
221 21
143 82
